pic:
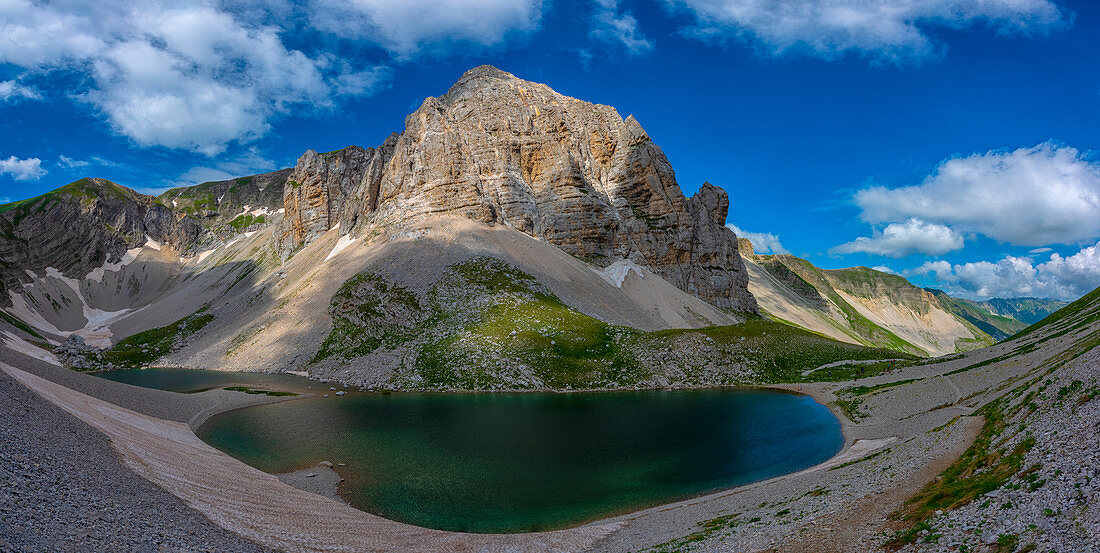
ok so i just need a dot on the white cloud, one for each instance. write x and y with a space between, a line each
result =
1035 196
70 163
883 30
884 269
180 74
407 27
22 169
619 28
942 270
902 239
1065 278
762 242
13 91
1040 250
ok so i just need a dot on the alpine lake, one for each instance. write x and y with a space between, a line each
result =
515 462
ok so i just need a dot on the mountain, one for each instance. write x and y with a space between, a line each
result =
234 205
860 305
509 237
1025 310
500 150
81 226
980 315
864 306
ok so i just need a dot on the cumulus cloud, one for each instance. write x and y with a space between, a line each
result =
893 31
11 91
884 269
1065 278
22 169
762 242
410 26
619 28
1047 194
181 74
907 238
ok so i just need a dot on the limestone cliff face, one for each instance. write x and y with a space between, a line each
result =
501 150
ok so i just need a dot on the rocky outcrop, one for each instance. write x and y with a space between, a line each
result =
330 189
80 226
501 150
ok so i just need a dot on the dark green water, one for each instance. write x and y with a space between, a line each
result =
525 462
190 381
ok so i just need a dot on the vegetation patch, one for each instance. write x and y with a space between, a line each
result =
242 222
864 390
247 390
983 468
707 529
18 323
143 348
488 325
369 311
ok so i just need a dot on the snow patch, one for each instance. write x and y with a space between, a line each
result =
127 258
617 272
95 331
202 255
344 241
26 348
247 210
150 243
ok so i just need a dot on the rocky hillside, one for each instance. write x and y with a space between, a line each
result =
500 150
82 226
1025 310
863 306
1029 481
236 205
980 315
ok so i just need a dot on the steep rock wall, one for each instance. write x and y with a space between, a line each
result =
500 150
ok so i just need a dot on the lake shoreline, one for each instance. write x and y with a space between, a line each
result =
642 529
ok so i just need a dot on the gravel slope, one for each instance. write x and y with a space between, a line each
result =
63 488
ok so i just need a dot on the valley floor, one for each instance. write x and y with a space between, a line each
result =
997 445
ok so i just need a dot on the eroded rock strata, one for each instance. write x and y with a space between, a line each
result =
501 150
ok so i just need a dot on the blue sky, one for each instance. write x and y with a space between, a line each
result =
951 141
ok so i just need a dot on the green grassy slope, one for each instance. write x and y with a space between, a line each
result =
488 325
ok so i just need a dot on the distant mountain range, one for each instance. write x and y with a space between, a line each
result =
865 306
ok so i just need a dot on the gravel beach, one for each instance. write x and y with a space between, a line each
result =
63 488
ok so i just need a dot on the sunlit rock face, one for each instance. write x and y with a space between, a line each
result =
501 150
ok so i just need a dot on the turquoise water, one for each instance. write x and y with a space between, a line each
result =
190 380
535 461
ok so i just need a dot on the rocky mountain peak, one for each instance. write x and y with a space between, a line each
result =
501 150
83 224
